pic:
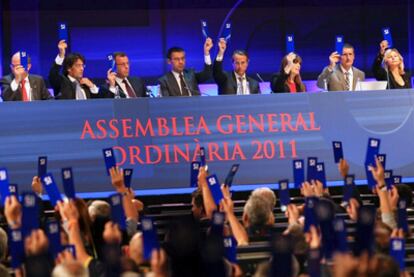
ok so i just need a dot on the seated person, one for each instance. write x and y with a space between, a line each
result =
22 86
389 66
71 84
289 79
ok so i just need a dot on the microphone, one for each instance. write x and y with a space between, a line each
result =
260 78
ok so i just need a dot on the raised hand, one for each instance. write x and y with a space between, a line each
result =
62 46
13 212
207 46
222 46
334 59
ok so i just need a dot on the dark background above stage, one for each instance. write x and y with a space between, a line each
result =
145 30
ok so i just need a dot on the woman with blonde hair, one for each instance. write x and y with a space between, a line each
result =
289 79
389 66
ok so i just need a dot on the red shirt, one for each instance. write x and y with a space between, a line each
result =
292 87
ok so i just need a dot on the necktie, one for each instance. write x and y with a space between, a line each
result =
241 85
347 85
130 91
184 89
24 92
79 93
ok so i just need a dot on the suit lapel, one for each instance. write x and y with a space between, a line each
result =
234 83
34 89
175 89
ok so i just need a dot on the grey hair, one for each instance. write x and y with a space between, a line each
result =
257 211
70 269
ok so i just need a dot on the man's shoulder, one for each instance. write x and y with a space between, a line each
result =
35 77
357 70
6 78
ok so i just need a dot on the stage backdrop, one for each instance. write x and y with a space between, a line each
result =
159 137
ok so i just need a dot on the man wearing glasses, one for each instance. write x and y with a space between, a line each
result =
236 81
20 86
71 84
120 83
181 81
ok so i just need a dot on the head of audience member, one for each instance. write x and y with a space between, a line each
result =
256 213
69 269
394 61
3 245
294 73
347 56
74 65
240 62
122 65
176 59
16 66
99 208
267 195
197 204
136 248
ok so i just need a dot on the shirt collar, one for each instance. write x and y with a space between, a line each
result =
72 79
344 70
240 76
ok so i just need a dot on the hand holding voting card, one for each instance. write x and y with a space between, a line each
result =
386 33
51 188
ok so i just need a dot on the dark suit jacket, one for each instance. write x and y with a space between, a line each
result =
227 83
278 83
37 84
170 87
138 85
63 86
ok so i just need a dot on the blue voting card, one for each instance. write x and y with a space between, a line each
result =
109 158
339 44
388 178
284 195
230 176
30 213
338 151
202 156
14 190
370 178
16 248
128 176
4 185
348 189
149 234
372 151
217 222
227 32
194 170
214 185
230 248
396 179
290 43
63 31
24 59
41 166
68 184
282 248
53 234
71 248
298 173
382 158
51 189
314 262
320 173
310 215
364 237
117 210
341 243
111 62
312 161
402 215
204 29
397 251
386 33
325 212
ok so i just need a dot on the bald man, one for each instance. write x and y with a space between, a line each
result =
22 86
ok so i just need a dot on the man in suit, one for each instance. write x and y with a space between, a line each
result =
181 81
237 81
120 83
343 76
22 86
71 84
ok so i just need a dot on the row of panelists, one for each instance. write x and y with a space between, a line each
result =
68 81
